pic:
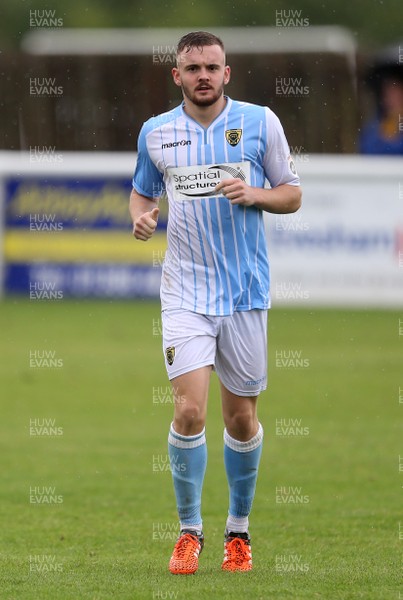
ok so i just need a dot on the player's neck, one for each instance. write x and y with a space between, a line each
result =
204 115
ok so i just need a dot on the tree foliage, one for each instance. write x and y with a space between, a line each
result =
373 22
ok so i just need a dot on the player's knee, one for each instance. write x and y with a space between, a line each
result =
189 418
241 425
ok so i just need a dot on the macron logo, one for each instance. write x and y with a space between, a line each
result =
174 144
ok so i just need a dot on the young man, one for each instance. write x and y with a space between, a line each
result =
212 155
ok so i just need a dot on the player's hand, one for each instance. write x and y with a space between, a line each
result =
237 191
144 226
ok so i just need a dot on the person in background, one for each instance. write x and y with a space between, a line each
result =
384 134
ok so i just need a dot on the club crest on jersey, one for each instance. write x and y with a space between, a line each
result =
170 354
233 136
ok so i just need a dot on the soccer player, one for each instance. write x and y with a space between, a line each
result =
212 156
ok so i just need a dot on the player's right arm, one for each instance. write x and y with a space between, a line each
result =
144 213
147 188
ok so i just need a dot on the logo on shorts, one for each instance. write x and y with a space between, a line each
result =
233 136
170 354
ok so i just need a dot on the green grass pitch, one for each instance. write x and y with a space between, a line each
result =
89 513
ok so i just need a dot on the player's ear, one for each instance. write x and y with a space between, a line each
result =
176 76
227 74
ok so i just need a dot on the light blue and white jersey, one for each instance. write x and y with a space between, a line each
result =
216 261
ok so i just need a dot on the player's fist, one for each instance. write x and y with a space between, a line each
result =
145 225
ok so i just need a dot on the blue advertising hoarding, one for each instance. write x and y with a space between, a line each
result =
71 236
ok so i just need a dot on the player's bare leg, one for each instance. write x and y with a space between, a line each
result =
190 395
240 415
188 459
243 438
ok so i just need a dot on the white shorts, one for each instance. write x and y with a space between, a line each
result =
235 345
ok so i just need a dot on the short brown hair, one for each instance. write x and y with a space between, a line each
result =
198 39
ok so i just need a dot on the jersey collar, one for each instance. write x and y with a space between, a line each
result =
222 114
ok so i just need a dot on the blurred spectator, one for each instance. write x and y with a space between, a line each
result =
384 135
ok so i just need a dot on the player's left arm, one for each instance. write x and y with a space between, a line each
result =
285 194
282 199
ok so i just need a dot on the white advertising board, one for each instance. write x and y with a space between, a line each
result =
345 245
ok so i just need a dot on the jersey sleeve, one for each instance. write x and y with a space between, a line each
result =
147 180
278 164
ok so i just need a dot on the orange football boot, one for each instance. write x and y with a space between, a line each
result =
185 557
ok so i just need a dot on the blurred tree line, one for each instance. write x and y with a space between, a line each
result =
105 98
373 22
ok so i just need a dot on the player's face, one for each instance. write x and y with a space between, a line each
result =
202 74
